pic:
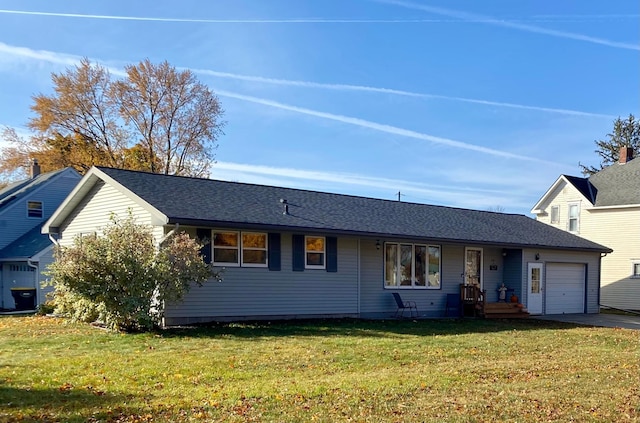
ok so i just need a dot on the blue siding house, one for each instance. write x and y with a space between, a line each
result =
290 253
24 251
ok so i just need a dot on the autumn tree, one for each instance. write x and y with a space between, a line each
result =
123 278
626 133
155 118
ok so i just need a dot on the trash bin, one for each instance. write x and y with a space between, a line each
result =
25 298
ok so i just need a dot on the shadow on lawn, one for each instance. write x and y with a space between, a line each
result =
361 328
66 403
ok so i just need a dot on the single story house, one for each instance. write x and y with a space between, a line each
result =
291 253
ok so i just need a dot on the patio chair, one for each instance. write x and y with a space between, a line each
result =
453 306
405 305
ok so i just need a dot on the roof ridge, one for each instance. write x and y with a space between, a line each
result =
253 184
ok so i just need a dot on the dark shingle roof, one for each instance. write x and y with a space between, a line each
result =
618 184
584 186
193 201
28 245
18 189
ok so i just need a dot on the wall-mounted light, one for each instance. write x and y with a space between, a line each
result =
537 256
504 252
377 244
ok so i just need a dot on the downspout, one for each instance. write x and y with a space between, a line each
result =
359 276
36 271
168 234
164 238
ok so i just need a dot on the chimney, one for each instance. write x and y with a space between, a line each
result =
34 169
626 154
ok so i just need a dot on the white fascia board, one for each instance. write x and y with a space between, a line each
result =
84 186
537 209
619 206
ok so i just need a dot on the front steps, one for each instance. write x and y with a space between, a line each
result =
505 311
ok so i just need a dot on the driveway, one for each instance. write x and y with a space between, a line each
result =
602 320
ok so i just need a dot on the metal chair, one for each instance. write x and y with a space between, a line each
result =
453 305
405 305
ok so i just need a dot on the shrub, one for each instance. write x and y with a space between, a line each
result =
123 278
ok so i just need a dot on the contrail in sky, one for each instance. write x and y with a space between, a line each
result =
348 87
394 130
541 18
71 60
474 17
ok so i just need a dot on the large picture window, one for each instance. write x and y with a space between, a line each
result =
411 266
247 249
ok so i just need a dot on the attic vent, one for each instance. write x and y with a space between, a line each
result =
286 206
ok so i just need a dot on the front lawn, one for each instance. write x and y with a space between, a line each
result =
327 371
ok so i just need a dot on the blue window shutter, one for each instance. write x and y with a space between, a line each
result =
204 236
297 253
274 252
332 254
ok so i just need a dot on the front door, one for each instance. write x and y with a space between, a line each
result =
473 267
534 288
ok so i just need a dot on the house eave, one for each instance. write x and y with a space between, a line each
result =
617 206
381 235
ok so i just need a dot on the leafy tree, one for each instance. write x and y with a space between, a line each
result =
626 133
122 278
155 118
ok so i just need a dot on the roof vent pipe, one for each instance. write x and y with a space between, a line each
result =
286 206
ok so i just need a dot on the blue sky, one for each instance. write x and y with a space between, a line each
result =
474 104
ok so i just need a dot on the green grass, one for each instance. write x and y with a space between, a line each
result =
326 371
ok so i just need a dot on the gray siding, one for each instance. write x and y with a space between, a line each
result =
376 301
591 260
95 209
512 274
247 293
13 217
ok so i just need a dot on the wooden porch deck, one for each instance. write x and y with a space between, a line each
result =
474 304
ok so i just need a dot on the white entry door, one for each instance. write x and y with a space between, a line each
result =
534 288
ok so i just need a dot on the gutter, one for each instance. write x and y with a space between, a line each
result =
168 234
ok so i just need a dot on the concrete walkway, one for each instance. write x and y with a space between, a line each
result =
601 319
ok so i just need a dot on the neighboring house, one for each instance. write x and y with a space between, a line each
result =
291 253
24 251
604 208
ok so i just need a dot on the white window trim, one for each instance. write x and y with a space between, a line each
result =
324 253
265 249
634 275
41 209
577 204
213 248
240 249
413 266
557 220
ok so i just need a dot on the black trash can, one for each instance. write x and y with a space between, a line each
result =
25 298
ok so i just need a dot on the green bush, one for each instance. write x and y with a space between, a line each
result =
122 278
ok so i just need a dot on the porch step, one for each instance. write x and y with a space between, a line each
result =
504 311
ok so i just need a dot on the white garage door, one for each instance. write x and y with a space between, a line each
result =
565 288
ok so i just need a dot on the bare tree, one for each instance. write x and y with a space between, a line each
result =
155 119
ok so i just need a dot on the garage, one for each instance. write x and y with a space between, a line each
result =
565 288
